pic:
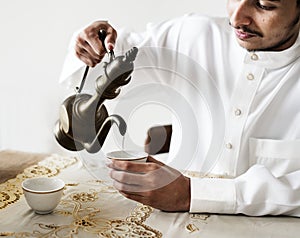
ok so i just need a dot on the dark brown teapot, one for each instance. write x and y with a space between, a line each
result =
83 119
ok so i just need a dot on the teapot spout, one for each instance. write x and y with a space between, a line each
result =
94 146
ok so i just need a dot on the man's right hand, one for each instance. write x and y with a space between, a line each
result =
89 47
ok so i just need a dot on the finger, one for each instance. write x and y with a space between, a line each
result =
110 39
128 188
150 159
136 197
91 36
126 178
82 47
87 59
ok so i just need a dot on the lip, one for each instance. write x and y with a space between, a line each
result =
242 35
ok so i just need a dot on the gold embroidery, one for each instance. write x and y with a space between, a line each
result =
197 220
82 213
121 228
38 170
7 198
195 174
11 190
87 218
140 214
103 186
84 197
72 184
191 228
133 225
202 217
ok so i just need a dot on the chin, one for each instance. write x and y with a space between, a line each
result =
248 46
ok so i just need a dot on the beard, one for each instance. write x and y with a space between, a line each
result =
277 45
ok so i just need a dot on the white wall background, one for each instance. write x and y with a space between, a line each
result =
34 35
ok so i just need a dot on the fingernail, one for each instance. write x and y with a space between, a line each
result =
110 46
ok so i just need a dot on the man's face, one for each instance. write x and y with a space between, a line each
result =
264 24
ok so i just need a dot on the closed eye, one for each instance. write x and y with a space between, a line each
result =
264 7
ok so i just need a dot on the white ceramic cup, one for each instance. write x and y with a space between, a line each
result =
43 194
128 155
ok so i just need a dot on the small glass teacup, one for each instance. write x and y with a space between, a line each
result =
128 155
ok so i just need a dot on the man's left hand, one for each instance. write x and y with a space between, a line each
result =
152 183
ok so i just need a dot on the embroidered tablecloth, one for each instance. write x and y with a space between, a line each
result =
91 207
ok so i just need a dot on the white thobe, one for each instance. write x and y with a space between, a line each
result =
237 113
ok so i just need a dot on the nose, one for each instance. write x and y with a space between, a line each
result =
240 13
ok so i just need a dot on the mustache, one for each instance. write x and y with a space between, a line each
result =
247 30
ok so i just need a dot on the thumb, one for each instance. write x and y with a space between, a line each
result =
110 40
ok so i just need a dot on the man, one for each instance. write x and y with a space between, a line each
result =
254 60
